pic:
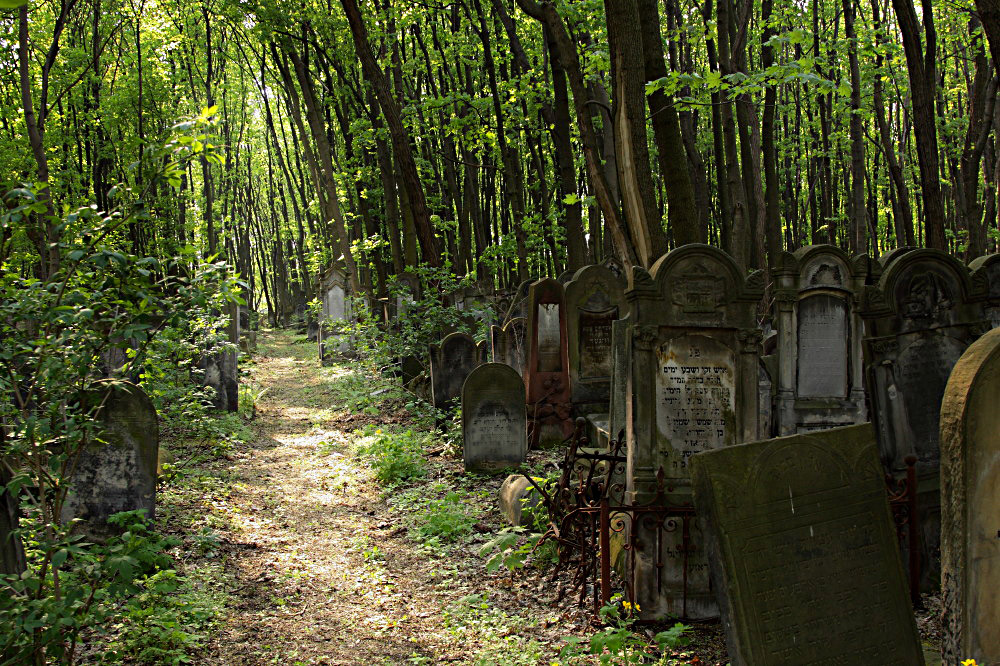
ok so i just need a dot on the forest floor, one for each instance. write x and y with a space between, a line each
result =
325 564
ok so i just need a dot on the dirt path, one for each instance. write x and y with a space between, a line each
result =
323 567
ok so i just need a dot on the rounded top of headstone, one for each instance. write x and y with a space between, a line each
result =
545 287
986 274
457 338
565 277
514 323
920 282
705 265
492 375
589 277
890 256
126 398
978 368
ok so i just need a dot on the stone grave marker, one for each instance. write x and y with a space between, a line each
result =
919 319
691 386
803 551
335 312
820 363
621 337
546 374
986 275
119 474
970 505
494 420
450 363
519 302
595 297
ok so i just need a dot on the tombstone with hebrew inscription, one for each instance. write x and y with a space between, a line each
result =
970 505
117 473
919 319
692 386
546 374
820 363
803 550
595 298
494 421
450 363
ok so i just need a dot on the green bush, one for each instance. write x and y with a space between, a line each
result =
395 457
444 520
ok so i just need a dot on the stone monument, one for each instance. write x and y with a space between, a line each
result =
919 319
970 506
450 364
820 363
691 386
803 551
986 275
546 374
494 421
118 473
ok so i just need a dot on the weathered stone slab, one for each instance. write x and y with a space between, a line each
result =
450 363
494 419
986 274
970 505
118 474
692 385
520 502
595 298
820 362
803 552
919 320
546 375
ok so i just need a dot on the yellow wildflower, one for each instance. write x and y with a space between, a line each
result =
969 662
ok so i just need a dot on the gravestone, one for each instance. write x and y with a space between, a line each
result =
513 344
118 474
691 386
970 505
520 501
919 319
519 302
494 421
820 362
765 389
803 551
986 274
546 374
621 337
335 313
450 363
595 298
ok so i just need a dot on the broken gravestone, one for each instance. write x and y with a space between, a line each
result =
494 422
117 473
803 551
970 505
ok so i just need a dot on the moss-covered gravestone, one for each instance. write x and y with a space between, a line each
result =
494 420
970 505
118 473
803 551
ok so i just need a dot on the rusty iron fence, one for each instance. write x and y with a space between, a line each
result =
588 511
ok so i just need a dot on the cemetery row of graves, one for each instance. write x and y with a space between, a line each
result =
865 404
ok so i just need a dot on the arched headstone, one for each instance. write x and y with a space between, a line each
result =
970 505
494 421
546 374
986 272
450 363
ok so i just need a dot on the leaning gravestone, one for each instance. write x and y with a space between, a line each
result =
970 506
494 421
450 363
595 298
803 552
820 365
986 272
919 320
118 474
546 374
692 386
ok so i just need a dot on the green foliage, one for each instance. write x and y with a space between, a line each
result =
395 457
445 520
617 643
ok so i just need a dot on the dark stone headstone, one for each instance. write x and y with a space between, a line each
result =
803 551
970 505
11 549
595 298
513 345
986 275
692 386
820 364
919 320
118 474
546 374
451 362
494 420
